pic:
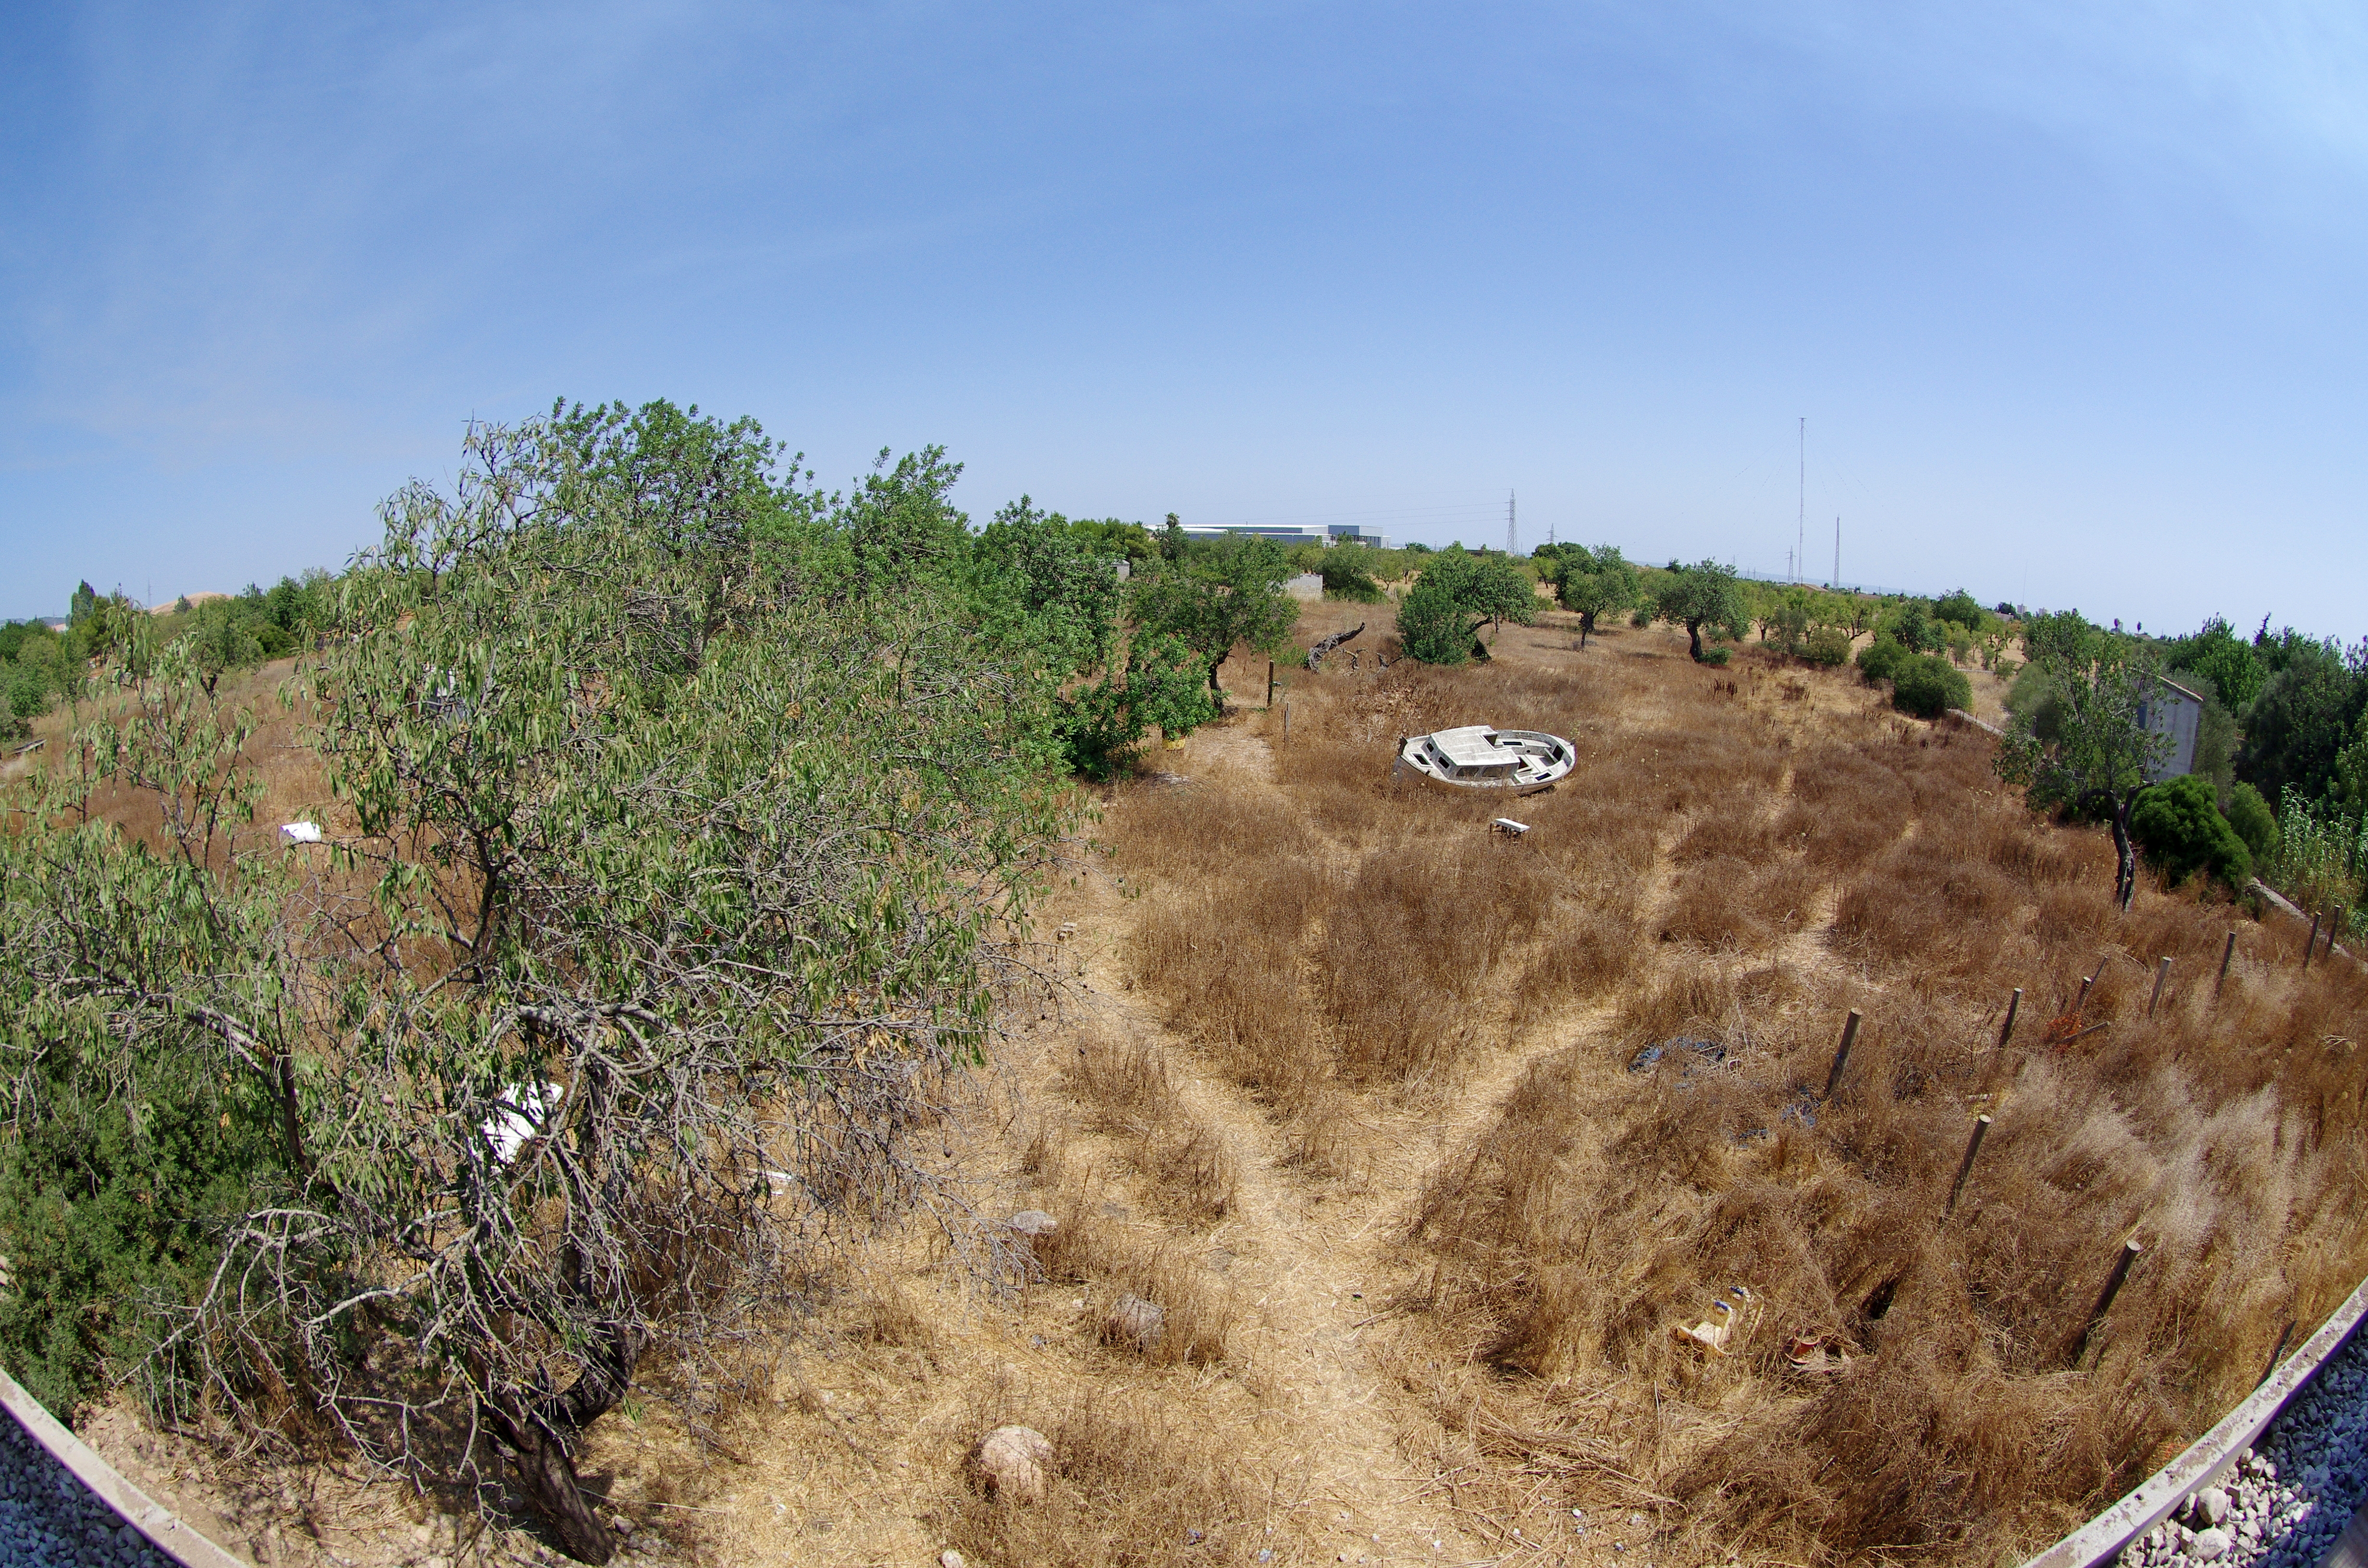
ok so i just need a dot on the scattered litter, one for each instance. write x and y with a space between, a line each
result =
1508 827
519 1116
1712 1334
1804 1109
1035 1222
1817 1352
1068 929
301 832
1710 1051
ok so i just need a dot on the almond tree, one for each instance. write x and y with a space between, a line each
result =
2087 748
666 896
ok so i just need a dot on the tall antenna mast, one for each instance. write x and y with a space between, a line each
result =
1512 534
1801 524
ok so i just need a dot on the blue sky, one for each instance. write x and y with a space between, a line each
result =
2074 297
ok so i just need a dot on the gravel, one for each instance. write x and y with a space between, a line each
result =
2290 1497
50 1519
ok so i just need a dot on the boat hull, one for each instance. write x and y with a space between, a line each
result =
1546 760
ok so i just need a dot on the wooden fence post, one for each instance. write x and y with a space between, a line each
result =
1850 1033
1269 683
2129 1250
2013 1005
2161 973
1966 1166
2225 954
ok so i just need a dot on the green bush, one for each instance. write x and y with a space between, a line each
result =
2250 817
1883 659
2182 833
1929 685
1715 656
1827 645
1347 575
111 1210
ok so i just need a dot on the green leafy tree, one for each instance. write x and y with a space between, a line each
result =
1592 584
2096 755
1705 594
2309 708
2227 660
678 888
1959 608
1348 572
1439 619
2252 821
1928 686
2181 829
1225 593
1159 684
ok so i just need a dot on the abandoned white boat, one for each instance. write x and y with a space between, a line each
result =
1480 757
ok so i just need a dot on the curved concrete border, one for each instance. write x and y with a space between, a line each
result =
170 1534
2211 1455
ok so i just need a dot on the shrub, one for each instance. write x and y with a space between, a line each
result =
1827 646
1929 685
1882 659
1715 656
2182 833
2250 816
1347 575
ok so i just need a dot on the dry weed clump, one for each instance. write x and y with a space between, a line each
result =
1091 1246
1138 1478
1742 863
1601 1208
1130 1096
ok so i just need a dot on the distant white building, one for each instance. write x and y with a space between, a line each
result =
2177 712
1325 534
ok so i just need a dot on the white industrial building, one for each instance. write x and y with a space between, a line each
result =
1325 534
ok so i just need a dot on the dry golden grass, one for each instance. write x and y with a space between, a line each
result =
1350 1101
1745 858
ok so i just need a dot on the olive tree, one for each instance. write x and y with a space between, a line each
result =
1595 583
2085 745
1218 594
1705 594
1439 619
662 904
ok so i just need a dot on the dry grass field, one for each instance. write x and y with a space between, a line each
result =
1351 1088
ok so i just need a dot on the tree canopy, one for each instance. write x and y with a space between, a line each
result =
1705 594
1594 582
1438 621
2097 754
1221 592
682 827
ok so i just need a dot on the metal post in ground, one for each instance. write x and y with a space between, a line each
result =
2308 943
2129 1250
1966 1166
2161 973
1269 683
2225 954
1850 1033
2013 1005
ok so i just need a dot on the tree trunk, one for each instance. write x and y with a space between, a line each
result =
1693 638
2126 885
1586 625
547 1475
